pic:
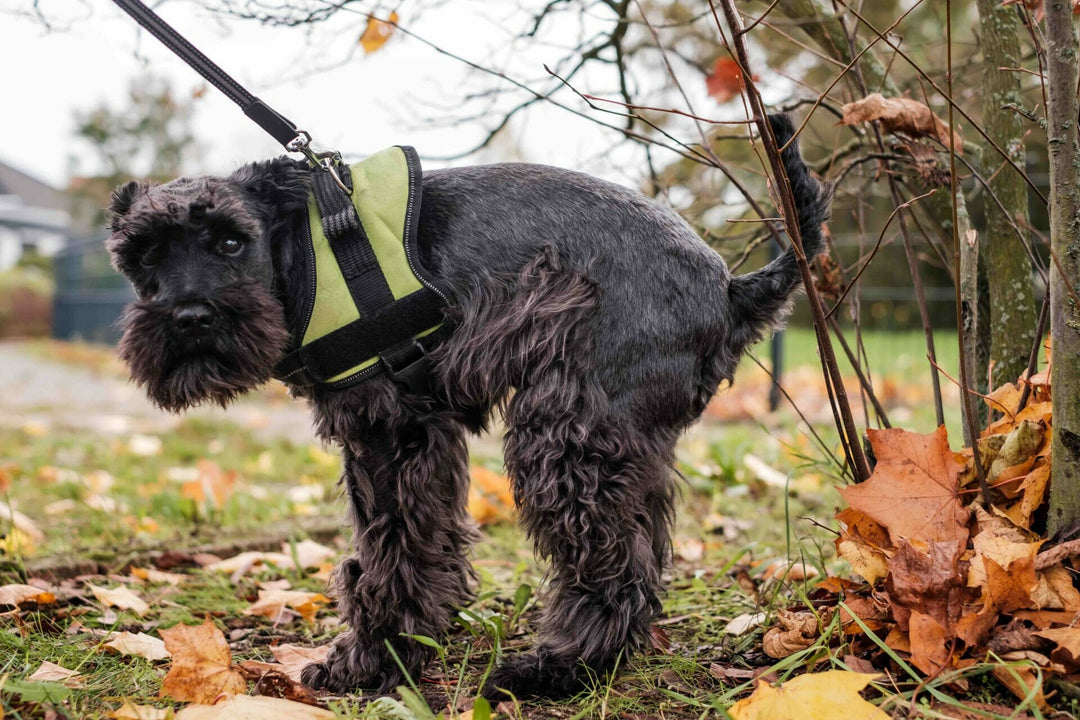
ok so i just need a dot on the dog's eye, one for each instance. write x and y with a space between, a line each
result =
152 256
230 246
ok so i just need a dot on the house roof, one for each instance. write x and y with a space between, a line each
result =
33 192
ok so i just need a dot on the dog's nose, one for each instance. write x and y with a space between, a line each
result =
194 317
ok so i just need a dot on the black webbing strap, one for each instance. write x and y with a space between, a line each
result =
279 127
352 249
388 333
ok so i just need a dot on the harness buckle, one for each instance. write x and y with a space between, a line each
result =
327 160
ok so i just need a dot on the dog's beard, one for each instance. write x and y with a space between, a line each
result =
235 356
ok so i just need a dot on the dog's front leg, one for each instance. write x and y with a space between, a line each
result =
407 490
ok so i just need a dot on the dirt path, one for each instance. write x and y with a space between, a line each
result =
35 390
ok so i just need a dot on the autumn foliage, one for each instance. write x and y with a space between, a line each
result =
948 581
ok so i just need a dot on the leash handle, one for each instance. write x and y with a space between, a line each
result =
277 125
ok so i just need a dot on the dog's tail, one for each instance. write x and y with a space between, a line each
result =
760 300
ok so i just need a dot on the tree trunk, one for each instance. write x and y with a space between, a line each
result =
1065 266
1012 298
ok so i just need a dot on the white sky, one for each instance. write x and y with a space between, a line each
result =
47 75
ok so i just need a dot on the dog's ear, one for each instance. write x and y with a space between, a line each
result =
281 182
123 198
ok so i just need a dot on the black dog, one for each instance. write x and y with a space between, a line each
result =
594 318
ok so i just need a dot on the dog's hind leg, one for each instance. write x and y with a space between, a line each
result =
595 496
407 487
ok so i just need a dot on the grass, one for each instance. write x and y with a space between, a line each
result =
731 528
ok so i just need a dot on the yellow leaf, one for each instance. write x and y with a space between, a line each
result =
821 696
377 32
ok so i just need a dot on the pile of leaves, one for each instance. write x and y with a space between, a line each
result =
950 581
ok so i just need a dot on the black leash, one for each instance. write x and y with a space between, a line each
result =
277 125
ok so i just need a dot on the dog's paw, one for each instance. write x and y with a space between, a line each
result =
350 667
535 674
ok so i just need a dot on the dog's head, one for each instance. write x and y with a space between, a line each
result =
206 325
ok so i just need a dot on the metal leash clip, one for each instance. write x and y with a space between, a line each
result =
329 161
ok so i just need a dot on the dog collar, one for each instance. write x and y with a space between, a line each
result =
371 306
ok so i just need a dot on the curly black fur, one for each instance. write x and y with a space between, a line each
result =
592 318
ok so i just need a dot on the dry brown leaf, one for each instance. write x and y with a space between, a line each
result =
818 696
1010 588
930 643
131 711
153 575
974 627
120 597
900 114
914 489
139 644
1019 446
273 604
270 681
1032 492
294 658
1056 591
377 32
1067 640
1020 681
246 707
929 582
245 561
795 631
202 664
15 595
51 672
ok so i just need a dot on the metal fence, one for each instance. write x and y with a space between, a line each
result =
90 294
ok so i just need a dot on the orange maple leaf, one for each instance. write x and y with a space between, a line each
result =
914 490
202 664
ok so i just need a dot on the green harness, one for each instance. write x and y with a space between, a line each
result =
372 306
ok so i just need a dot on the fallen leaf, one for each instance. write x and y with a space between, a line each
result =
211 484
245 561
120 597
202 664
139 644
691 550
246 707
153 575
1021 680
795 631
744 623
15 595
923 579
270 681
294 658
51 672
131 711
1056 591
377 32
1067 640
914 489
1010 588
866 561
273 604
930 646
308 553
819 696
901 114
490 498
